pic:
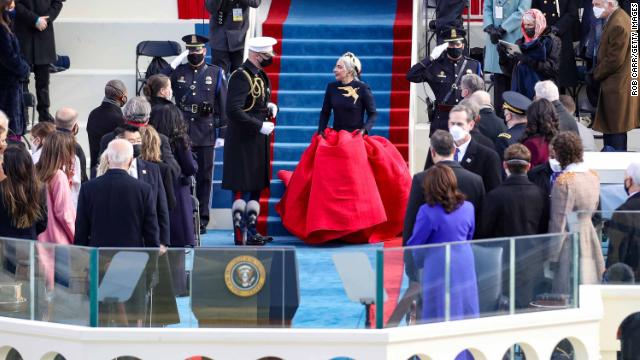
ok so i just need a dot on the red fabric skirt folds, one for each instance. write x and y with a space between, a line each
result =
346 187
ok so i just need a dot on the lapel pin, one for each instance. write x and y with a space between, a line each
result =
144 172
468 160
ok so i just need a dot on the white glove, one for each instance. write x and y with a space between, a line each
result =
178 60
267 127
273 109
219 143
438 50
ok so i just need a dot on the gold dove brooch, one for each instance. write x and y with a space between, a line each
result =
350 92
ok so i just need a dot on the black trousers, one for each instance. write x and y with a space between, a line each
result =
616 141
227 60
41 73
204 181
501 83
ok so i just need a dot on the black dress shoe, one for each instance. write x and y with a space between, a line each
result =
259 240
203 230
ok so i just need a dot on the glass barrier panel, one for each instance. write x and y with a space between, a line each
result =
61 284
16 278
468 279
612 240
337 286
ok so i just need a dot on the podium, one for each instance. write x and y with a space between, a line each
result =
248 287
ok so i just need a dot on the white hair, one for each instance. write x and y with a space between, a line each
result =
633 171
481 98
547 90
473 82
137 110
119 153
352 64
4 121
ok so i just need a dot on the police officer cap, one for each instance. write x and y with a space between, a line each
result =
452 35
195 40
515 102
262 44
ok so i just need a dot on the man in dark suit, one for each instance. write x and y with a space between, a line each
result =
515 107
442 151
624 227
475 114
490 125
471 155
149 173
516 208
116 210
105 118
136 112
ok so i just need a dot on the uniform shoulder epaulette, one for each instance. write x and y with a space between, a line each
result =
504 135
565 178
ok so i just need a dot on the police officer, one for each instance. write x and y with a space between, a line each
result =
200 91
246 155
443 71
515 107
227 30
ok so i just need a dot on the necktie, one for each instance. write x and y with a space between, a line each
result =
456 155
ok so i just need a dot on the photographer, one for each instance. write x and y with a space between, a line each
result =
227 30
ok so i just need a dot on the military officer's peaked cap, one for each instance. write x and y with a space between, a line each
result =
452 35
515 102
195 40
262 44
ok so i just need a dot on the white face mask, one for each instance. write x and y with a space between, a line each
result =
597 11
458 133
555 165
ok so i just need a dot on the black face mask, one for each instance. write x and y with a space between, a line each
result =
266 62
195 59
454 53
137 148
530 32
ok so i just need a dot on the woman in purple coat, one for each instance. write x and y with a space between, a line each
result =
445 218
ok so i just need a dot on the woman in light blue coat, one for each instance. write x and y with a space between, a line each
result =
502 21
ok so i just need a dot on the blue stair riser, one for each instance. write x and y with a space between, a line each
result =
325 64
274 226
331 31
289 134
306 117
315 98
221 199
282 165
317 81
316 47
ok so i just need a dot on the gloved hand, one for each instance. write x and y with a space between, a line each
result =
438 50
178 60
267 127
489 29
219 143
273 109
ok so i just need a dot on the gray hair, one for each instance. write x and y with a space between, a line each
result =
473 82
351 64
547 90
115 89
633 171
613 3
4 122
481 98
119 153
471 107
137 110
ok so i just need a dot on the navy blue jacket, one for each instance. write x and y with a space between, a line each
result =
116 210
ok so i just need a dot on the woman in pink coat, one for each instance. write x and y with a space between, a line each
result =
55 170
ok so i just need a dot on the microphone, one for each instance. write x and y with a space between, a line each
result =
253 210
238 209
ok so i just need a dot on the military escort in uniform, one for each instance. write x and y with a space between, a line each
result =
515 114
246 156
442 70
200 91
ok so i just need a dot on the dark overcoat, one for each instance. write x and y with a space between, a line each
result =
38 47
13 70
246 150
231 34
565 23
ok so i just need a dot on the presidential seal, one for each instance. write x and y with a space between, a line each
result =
244 276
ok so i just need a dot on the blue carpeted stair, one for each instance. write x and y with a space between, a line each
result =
314 35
